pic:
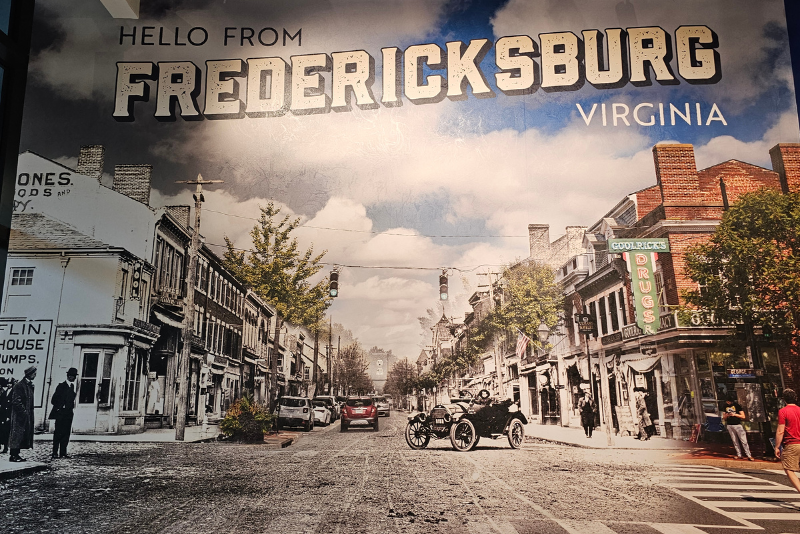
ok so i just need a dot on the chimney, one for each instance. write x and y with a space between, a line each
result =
133 181
539 237
786 162
180 213
676 172
575 240
90 161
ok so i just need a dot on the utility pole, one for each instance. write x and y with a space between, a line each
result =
273 365
188 313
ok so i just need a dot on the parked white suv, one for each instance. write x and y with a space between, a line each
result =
295 411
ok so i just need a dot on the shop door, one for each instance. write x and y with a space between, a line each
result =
94 390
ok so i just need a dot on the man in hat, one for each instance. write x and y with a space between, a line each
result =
63 405
22 415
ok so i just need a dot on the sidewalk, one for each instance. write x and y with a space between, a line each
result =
13 469
193 434
716 454
574 437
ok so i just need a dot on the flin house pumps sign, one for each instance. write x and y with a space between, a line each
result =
640 256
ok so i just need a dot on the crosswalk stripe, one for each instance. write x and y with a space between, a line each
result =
676 528
586 527
788 516
707 478
717 486
743 504
743 495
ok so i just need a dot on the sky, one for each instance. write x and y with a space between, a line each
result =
384 190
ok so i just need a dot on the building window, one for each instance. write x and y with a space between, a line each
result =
133 379
662 294
22 277
612 311
623 312
306 373
96 377
603 316
593 313
88 378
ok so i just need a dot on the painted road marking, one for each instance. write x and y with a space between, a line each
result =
735 491
587 527
676 528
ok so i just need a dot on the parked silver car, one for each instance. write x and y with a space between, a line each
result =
295 411
384 409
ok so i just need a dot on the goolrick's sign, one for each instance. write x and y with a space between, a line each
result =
616 246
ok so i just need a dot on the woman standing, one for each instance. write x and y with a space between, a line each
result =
644 416
587 408
5 412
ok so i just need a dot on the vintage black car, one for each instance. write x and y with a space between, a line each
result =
465 421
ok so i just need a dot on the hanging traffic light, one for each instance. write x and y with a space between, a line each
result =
443 286
333 286
766 331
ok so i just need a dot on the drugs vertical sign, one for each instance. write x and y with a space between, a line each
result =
22 344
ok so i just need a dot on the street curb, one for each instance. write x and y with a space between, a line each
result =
730 464
577 446
33 467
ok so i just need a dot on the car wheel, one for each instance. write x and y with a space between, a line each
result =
375 426
516 434
417 435
307 426
462 435
475 443
343 428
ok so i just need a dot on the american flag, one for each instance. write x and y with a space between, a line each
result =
522 344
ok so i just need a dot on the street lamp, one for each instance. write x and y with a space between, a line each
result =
543 332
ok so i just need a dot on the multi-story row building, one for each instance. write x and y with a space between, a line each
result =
97 280
688 368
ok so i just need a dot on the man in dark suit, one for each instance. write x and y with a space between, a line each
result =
63 405
22 415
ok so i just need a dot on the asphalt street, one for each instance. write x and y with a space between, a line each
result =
364 481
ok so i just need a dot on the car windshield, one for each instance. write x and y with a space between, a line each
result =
324 401
293 403
357 403
319 404
381 400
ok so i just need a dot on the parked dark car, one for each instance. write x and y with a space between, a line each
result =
466 420
359 410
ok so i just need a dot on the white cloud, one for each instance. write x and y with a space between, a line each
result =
747 31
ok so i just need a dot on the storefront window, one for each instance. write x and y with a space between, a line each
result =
5 14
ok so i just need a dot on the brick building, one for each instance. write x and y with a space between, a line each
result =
685 367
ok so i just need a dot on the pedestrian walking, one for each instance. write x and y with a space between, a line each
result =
587 409
21 436
788 436
733 416
63 407
645 423
5 412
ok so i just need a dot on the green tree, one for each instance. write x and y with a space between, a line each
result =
525 297
351 370
279 271
749 270
401 379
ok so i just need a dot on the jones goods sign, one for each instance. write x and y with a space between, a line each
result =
22 344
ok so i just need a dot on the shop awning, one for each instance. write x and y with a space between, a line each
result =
167 320
216 371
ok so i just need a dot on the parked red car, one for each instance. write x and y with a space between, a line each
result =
357 410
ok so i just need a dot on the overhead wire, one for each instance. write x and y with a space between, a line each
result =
373 232
388 267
